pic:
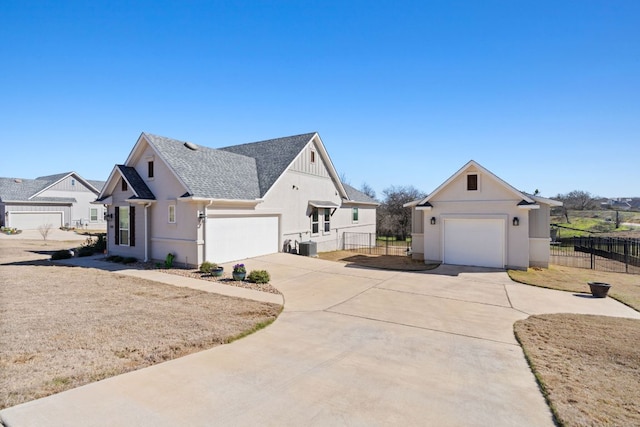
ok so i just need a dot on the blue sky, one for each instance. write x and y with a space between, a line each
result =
545 94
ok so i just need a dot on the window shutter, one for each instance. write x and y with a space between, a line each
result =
132 226
117 220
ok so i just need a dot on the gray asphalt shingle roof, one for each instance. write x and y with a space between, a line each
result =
245 171
272 156
136 182
357 195
17 189
12 189
209 173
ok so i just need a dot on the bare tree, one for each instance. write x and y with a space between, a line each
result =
393 217
368 190
44 230
576 200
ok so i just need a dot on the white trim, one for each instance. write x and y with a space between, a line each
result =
480 170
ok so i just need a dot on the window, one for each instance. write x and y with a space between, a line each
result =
73 182
314 221
150 169
472 182
93 214
327 220
172 214
124 187
123 225
313 156
354 215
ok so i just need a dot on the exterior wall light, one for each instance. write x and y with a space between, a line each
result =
516 221
202 215
433 220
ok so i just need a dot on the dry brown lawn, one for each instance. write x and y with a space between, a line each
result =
387 262
61 327
624 287
588 366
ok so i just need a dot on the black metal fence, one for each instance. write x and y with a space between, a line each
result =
597 253
372 244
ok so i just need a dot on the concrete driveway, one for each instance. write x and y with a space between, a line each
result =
353 347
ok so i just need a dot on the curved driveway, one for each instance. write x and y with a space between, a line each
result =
353 346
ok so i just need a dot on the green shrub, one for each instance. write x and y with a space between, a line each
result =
129 260
168 261
115 258
207 267
259 276
61 254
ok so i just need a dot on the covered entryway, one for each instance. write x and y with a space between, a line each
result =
234 238
477 242
33 220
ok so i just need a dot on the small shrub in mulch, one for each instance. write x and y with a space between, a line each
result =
115 258
129 260
259 276
207 267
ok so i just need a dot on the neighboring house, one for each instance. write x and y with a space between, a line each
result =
60 200
231 203
475 218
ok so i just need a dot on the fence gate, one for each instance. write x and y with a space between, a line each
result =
372 244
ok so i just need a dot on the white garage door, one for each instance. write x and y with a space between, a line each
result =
478 242
232 239
33 220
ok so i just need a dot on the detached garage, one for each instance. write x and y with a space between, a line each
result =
235 238
475 218
477 242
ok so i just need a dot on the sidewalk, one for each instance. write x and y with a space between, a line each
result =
172 279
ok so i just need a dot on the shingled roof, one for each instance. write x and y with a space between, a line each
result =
18 189
209 173
357 195
138 186
272 156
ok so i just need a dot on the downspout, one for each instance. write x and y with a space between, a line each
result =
146 233
204 231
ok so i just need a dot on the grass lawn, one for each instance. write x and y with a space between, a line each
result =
588 366
62 327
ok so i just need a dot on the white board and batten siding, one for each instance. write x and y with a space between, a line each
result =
475 242
235 238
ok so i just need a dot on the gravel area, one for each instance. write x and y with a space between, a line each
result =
225 279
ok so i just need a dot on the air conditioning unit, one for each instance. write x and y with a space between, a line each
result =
308 248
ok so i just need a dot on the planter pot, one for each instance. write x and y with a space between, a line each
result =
598 289
239 276
217 272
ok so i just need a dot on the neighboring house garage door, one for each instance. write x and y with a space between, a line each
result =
478 242
33 220
232 239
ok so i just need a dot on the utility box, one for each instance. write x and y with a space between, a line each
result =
308 248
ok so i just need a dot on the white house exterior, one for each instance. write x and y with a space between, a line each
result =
60 200
475 218
231 203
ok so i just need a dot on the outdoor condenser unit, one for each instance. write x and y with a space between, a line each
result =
308 248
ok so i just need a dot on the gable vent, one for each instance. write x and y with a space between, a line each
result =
191 146
17 180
